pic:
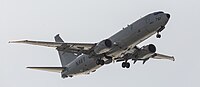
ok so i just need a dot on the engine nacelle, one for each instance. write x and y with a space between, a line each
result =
103 46
146 51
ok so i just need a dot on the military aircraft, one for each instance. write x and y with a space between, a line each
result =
83 58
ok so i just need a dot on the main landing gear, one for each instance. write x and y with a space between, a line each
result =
125 65
65 76
100 62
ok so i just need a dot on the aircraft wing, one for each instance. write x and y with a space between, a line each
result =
50 69
162 56
61 46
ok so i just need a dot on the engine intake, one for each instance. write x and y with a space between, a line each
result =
152 48
146 51
108 43
103 46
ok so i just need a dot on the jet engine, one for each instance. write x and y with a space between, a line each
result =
103 46
146 51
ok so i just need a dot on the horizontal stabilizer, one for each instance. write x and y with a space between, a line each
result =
161 56
50 69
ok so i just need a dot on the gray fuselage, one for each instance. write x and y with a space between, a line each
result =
132 35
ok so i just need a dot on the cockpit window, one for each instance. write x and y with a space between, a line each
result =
156 13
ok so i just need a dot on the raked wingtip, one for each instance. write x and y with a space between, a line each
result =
11 41
173 59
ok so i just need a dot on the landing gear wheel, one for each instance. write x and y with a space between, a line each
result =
64 76
100 62
123 64
127 65
158 36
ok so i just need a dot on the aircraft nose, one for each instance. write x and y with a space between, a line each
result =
168 16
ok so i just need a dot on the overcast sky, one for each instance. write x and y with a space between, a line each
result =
92 21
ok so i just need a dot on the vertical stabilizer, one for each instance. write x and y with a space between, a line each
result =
58 38
65 57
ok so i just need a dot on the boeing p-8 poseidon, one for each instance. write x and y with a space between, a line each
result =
83 58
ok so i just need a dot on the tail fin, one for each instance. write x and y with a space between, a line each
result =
58 38
65 57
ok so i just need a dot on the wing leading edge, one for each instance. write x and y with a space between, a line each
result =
62 46
39 43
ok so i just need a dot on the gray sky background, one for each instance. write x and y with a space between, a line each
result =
92 21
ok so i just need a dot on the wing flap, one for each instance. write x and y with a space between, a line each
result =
162 56
49 69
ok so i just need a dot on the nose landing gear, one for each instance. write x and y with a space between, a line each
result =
159 30
158 35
